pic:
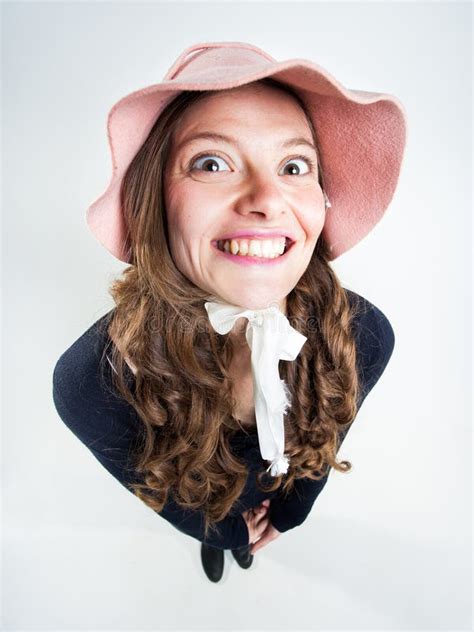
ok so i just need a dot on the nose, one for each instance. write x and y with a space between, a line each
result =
262 195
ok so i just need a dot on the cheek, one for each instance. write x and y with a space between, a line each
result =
312 214
191 211
188 225
317 223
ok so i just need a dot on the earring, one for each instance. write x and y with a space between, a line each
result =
327 203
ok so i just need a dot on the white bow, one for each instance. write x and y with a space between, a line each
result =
270 338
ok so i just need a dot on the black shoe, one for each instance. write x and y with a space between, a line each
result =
243 556
212 561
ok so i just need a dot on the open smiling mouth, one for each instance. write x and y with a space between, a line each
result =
254 251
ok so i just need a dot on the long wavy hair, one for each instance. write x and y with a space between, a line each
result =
181 387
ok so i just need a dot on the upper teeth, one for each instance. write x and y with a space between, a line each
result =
254 247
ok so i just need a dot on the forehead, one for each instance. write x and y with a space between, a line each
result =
251 109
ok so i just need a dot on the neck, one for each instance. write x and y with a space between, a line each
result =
237 333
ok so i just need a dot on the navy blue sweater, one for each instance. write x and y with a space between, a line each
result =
109 427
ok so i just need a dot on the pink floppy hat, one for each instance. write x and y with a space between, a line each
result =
361 136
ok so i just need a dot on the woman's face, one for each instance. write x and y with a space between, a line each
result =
257 181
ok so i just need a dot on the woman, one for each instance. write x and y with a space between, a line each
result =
235 182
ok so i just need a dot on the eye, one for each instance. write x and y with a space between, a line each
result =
208 165
310 164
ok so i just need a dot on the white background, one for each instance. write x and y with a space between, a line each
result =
386 546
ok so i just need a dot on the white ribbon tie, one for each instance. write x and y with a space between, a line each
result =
271 338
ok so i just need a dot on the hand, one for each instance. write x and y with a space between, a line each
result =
257 520
268 535
264 532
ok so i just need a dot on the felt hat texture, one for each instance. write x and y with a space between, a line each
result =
361 136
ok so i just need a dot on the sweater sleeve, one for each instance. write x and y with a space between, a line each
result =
109 427
375 340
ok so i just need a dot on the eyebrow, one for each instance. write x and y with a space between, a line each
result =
216 137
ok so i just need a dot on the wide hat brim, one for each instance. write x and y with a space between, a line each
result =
361 135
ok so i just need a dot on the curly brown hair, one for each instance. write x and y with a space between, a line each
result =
182 387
